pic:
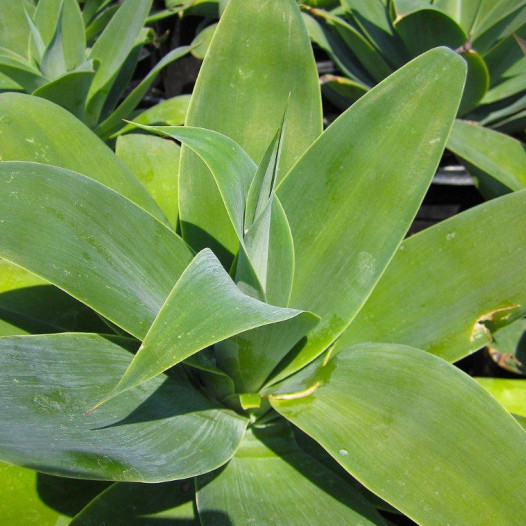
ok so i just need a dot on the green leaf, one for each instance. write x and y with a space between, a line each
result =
373 19
181 432
510 393
14 30
34 129
91 242
171 112
359 46
29 304
114 121
341 91
47 19
271 481
356 156
511 86
328 39
477 81
231 167
495 154
31 498
204 307
142 505
113 47
450 284
201 42
20 71
53 63
69 91
264 180
427 28
375 406
269 251
244 84
155 162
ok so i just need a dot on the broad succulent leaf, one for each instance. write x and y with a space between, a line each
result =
204 308
438 296
182 433
14 30
489 154
142 505
248 72
27 136
231 167
269 251
358 154
372 401
69 90
92 242
155 162
297 489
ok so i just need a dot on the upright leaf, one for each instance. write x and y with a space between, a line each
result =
445 289
417 431
48 19
259 59
155 162
360 159
30 498
91 242
112 48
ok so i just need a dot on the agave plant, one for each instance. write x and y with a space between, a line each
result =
369 39
287 358
43 52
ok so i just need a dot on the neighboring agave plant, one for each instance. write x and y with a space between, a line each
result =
292 352
43 52
369 39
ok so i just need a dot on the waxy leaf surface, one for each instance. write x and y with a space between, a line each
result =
91 242
341 246
35 130
259 62
155 162
495 154
444 284
28 305
142 505
162 431
271 480
418 432
204 307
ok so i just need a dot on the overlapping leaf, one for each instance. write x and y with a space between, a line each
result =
48 381
91 242
341 246
448 451
445 288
